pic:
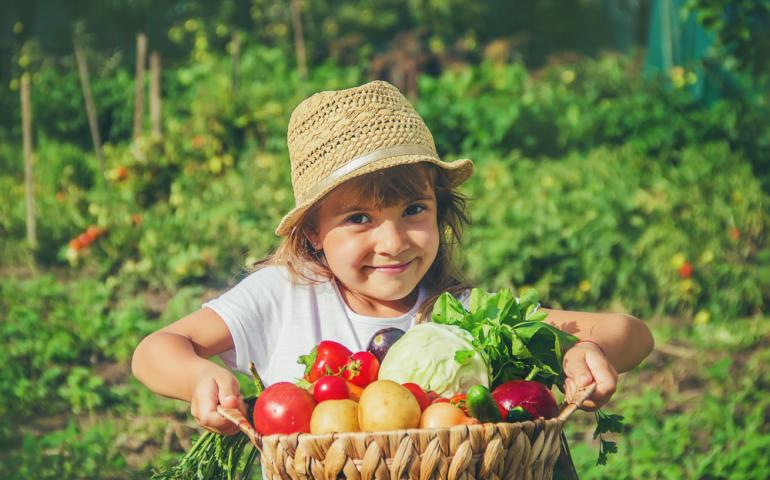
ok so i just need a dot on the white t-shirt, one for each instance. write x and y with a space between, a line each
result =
273 321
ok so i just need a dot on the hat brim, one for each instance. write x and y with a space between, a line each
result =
457 171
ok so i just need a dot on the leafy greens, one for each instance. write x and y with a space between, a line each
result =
510 333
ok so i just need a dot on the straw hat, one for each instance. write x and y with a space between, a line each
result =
337 135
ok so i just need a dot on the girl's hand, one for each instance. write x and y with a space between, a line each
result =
213 389
584 363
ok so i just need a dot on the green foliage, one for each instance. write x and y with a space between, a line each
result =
600 189
741 29
716 431
73 452
54 334
578 106
615 228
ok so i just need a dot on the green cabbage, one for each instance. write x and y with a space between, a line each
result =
436 357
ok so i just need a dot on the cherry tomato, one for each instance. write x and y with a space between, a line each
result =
419 394
362 369
432 396
330 387
93 232
283 408
75 244
328 358
85 240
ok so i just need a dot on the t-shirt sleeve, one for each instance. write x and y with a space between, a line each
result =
250 311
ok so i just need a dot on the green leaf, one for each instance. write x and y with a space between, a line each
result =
448 310
462 356
308 360
608 423
606 447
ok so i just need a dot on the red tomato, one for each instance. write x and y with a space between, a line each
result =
331 388
419 394
94 232
283 408
362 369
432 396
85 240
75 244
330 358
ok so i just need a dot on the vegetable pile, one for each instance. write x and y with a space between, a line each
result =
495 362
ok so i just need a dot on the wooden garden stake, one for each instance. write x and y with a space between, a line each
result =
235 58
141 59
299 39
26 128
93 124
155 100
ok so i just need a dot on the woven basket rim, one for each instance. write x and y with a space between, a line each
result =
536 423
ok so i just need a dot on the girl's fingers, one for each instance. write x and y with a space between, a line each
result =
583 365
604 374
204 407
576 368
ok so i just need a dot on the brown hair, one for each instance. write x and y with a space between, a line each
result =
384 188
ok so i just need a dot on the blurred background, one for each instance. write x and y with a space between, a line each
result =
623 164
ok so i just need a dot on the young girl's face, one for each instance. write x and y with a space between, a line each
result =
379 255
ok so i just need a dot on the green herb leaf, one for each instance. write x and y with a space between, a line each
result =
462 356
606 447
608 423
448 310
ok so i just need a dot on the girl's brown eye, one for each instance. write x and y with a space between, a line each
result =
358 218
414 209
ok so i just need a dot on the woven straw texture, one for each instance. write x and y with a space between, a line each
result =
331 129
524 450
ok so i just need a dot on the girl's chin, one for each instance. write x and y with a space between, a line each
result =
390 293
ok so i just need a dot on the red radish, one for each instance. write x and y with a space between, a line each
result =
533 396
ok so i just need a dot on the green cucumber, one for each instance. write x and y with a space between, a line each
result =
518 414
481 405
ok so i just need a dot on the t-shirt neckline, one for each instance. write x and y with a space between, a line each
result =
352 315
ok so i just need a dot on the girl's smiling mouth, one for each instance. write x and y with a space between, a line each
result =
389 269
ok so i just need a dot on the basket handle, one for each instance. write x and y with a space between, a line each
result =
576 400
236 417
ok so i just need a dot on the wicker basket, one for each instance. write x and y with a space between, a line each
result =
527 450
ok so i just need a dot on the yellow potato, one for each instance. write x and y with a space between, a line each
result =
386 405
335 416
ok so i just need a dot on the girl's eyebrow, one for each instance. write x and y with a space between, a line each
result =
358 208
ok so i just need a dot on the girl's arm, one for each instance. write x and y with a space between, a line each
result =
626 340
617 343
173 362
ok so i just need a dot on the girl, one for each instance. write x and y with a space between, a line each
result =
368 246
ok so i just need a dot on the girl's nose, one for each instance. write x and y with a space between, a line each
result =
391 239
